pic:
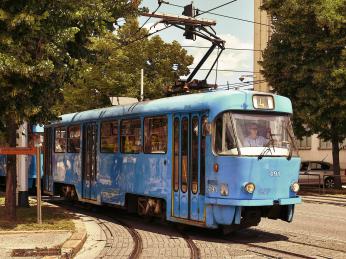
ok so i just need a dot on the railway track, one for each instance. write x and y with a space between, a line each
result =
109 223
111 239
159 239
194 250
110 226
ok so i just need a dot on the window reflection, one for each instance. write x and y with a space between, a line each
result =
155 135
131 136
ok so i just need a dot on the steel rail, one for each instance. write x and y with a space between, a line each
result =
137 240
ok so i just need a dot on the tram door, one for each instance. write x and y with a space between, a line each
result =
89 168
47 163
188 167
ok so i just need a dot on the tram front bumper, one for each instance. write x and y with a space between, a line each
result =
231 202
227 211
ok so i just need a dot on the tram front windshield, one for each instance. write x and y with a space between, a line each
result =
253 134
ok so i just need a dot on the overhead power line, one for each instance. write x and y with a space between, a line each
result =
149 17
217 7
228 70
239 19
240 49
144 36
221 15
241 83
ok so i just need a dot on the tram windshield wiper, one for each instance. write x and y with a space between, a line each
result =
267 147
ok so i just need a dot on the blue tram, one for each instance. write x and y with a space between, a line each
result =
33 134
215 159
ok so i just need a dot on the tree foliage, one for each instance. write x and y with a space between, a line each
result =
115 71
42 43
306 61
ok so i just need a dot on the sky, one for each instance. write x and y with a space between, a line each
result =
237 34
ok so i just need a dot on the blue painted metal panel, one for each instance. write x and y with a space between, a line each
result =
236 171
224 214
214 102
32 166
2 166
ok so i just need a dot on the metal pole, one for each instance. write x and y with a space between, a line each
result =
38 184
22 168
142 84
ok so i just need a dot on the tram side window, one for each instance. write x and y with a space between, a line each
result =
109 137
225 143
131 136
60 140
155 135
73 139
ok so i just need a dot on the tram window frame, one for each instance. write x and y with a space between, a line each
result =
176 148
147 135
122 144
68 141
205 130
63 150
184 165
116 147
194 150
232 136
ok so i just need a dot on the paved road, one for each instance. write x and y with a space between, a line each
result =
318 231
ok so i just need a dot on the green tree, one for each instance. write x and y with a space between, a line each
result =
306 61
42 43
119 57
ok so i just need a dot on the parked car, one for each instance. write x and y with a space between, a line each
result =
318 173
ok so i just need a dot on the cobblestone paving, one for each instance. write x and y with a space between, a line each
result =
119 242
161 241
318 231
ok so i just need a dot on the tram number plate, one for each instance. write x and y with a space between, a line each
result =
212 186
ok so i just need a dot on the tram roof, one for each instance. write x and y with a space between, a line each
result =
214 102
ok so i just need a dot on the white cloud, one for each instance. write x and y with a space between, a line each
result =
229 59
239 60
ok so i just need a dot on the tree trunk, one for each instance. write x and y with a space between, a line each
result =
11 175
336 162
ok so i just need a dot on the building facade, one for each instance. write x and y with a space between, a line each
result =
262 33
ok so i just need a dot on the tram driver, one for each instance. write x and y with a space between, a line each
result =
253 139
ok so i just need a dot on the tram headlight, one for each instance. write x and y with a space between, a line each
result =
295 187
249 187
224 189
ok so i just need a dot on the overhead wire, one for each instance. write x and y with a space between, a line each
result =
145 36
217 7
148 34
160 3
236 49
217 14
239 85
227 70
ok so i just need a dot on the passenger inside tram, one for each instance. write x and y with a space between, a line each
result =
253 139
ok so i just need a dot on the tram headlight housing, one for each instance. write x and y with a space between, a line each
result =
249 187
295 187
224 189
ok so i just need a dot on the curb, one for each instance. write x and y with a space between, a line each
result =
74 244
10 232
